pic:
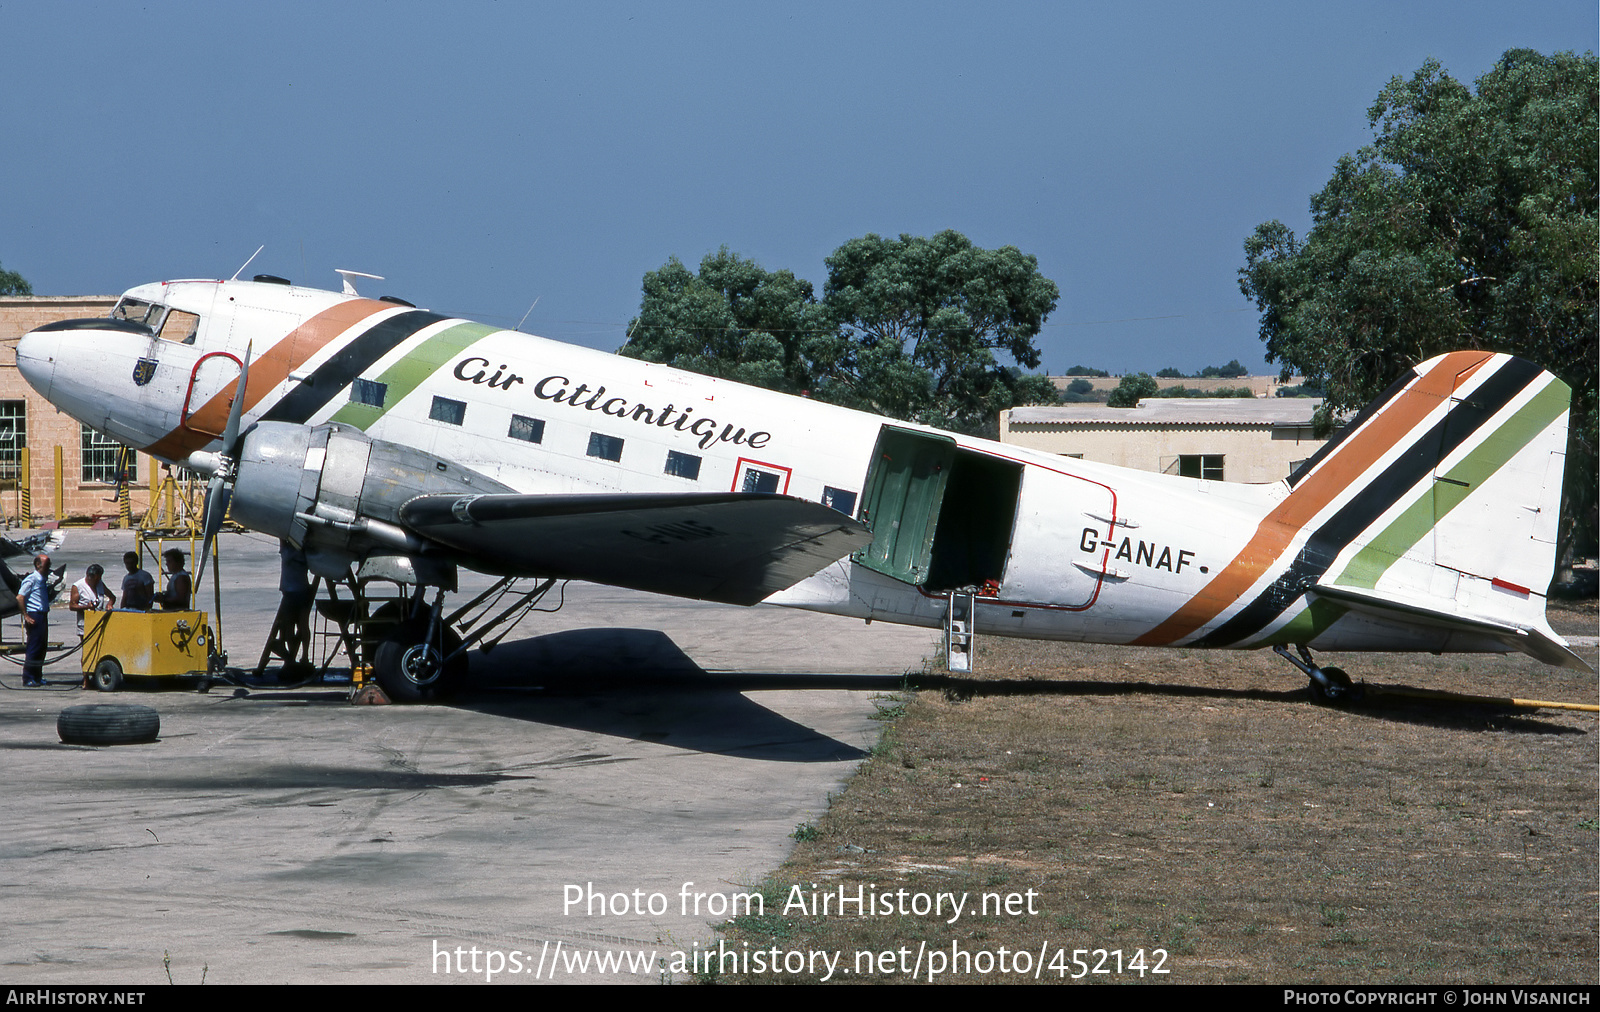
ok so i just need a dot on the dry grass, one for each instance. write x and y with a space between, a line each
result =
1201 803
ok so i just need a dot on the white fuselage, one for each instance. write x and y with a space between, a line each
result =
1071 549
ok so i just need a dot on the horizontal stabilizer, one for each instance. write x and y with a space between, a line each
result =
736 548
1536 643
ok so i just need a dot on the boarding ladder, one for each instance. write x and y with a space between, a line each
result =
960 631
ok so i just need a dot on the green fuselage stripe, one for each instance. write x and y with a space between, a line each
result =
409 373
1411 526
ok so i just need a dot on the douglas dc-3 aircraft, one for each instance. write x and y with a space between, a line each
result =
382 436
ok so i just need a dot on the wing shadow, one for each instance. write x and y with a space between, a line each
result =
637 683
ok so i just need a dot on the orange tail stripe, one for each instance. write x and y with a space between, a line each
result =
1280 527
266 372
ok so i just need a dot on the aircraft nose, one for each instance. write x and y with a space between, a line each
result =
36 359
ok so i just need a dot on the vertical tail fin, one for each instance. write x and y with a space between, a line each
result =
1453 499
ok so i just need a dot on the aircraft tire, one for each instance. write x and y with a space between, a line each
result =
108 675
1348 692
397 659
108 724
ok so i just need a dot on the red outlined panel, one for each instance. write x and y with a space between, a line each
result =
783 473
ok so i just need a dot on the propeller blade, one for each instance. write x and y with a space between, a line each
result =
218 495
230 432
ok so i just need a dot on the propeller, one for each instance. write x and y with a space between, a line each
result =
226 462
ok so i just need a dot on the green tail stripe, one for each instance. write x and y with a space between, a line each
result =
1435 503
410 372
1313 620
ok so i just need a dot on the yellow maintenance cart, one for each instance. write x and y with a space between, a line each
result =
147 644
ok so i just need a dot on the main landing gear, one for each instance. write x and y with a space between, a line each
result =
1328 685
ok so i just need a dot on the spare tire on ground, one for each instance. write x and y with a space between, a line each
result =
108 724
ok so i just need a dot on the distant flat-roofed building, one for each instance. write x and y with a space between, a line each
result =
1227 439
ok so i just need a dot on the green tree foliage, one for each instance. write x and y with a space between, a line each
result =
908 327
1469 222
733 320
12 283
924 318
1173 374
1083 370
1133 388
1233 370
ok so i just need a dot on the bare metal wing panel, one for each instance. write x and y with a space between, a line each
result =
736 548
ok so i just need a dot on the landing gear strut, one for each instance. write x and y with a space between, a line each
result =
1328 685
421 659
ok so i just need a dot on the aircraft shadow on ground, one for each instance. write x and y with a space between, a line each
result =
1454 714
637 683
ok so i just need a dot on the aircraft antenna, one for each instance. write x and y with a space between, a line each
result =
247 262
528 313
350 288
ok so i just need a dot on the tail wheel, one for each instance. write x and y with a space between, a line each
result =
108 675
1343 689
411 668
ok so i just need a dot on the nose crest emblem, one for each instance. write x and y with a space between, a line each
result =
143 371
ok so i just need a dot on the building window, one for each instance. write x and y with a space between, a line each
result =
13 440
1195 465
683 465
605 447
368 392
100 457
448 411
529 430
839 499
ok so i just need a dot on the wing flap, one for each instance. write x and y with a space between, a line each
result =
736 548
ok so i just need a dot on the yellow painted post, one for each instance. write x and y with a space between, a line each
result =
124 506
61 497
25 487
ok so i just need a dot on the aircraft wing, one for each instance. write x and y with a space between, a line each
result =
736 548
1533 642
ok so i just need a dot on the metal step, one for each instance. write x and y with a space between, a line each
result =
959 632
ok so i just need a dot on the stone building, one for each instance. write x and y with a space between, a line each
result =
31 425
1244 439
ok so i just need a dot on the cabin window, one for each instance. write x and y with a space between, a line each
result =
448 411
605 447
683 465
13 440
371 392
757 480
1195 465
839 499
529 430
180 327
100 457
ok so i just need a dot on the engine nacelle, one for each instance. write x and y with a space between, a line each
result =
337 492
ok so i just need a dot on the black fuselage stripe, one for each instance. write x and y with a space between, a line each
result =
1374 499
1351 427
314 392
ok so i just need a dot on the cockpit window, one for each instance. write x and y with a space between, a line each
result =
180 326
148 314
169 324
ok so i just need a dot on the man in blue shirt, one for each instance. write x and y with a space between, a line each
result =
33 600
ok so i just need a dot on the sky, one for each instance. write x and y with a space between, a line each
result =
488 157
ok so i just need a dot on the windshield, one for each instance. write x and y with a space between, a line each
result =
138 311
170 324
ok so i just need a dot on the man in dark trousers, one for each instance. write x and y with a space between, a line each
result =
33 600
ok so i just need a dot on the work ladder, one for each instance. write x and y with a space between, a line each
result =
960 631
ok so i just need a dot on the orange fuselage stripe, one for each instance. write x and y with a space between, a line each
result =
1280 527
266 372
